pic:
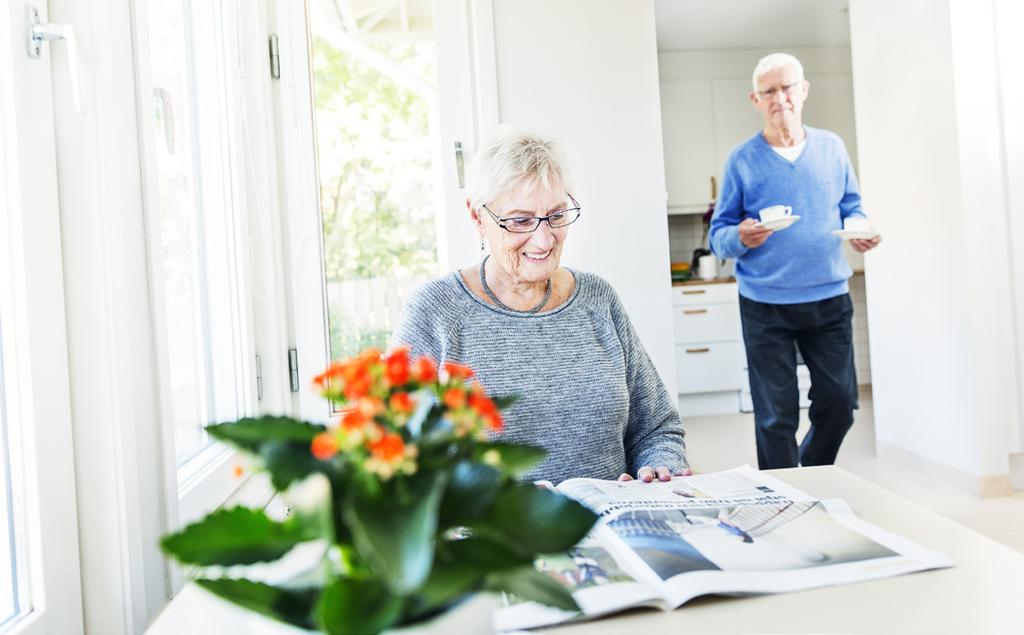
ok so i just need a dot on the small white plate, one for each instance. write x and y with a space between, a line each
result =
778 224
852 234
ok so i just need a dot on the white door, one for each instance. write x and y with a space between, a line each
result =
40 588
391 109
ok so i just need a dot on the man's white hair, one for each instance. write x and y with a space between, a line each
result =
769 63
514 153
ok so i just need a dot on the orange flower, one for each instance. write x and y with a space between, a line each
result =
424 370
458 371
397 368
353 419
454 398
370 406
482 404
402 402
494 421
238 471
359 384
388 448
324 446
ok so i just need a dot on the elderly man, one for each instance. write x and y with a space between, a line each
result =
793 284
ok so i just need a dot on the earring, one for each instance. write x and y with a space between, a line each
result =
481 247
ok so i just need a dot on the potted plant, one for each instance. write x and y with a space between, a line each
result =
407 503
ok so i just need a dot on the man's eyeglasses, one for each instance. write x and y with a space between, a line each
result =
527 224
789 89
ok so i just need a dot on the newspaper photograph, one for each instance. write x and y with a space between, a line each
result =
734 532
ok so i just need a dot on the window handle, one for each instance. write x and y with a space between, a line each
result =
39 32
459 165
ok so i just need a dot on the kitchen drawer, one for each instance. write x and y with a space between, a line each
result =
706 323
708 367
705 294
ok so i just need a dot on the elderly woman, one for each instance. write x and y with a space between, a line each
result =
558 338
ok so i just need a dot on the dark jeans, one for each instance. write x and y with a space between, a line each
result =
824 333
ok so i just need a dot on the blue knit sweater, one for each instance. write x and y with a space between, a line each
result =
805 262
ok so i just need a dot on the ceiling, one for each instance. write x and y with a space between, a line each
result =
726 24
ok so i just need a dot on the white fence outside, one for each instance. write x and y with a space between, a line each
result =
365 312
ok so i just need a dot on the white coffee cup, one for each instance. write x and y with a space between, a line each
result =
857 223
707 267
775 212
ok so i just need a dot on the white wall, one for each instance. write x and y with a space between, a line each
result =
590 78
1009 15
939 289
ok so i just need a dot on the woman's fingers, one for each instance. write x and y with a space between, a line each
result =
646 474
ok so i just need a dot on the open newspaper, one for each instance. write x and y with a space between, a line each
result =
734 532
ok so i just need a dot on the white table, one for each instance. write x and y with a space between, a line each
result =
983 593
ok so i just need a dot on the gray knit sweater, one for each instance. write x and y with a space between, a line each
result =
589 393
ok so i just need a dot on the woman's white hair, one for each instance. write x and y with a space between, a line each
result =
769 63
514 153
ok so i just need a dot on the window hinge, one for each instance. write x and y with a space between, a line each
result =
259 378
275 57
293 368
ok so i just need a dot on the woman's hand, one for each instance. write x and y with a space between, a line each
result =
647 474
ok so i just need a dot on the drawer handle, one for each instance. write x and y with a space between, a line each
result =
695 292
698 350
694 311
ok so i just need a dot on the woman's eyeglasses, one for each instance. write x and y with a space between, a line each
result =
527 224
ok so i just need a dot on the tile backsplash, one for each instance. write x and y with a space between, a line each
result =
685 233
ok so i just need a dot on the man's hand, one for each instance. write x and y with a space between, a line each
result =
865 244
753 234
647 474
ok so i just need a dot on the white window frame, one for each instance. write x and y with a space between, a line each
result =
35 361
467 84
208 479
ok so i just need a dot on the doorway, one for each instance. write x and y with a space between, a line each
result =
706 55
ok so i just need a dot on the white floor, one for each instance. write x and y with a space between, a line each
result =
723 442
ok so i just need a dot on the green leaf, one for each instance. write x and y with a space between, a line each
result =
251 433
516 459
538 520
530 584
236 536
349 605
447 583
288 462
289 606
505 401
486 553
470 492
396 533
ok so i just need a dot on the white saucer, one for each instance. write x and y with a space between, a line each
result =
853 234
778 224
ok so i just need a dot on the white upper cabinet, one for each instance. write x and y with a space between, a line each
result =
690 161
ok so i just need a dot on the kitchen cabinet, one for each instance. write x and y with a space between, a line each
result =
711 363
689 145
709 348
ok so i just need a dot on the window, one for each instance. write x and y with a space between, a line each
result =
199 272
10 567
